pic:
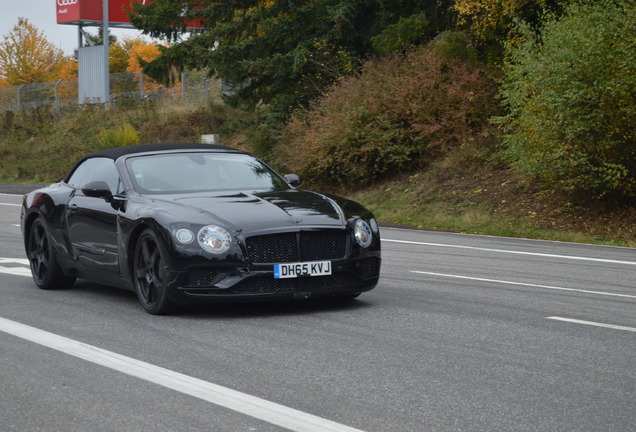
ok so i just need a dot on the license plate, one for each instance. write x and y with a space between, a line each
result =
293 270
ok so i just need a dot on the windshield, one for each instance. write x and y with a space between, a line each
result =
196 172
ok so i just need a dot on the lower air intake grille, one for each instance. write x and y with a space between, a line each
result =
200 278
267 285
368 267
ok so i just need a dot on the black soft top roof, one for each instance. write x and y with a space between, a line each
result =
117 152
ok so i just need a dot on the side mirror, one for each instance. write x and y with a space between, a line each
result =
98 189
294 180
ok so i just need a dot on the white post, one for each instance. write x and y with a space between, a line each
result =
211 139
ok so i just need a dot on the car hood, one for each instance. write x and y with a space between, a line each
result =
262 210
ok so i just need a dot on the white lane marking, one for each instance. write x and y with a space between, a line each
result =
17 271
252 406
12 205
22 261
570 257
592 323
525 284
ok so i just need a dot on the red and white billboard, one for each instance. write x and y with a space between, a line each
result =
90 11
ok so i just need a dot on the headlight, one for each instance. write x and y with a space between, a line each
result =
214 239
184 236
363 233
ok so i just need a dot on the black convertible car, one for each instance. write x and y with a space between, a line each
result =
181 223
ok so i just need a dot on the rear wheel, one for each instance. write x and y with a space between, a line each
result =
149 272
45 269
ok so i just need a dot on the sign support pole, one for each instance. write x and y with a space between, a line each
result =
106 51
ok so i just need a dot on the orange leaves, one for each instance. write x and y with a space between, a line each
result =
68 70
26 56
141 50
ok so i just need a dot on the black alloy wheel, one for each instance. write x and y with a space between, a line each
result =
45 269
149 271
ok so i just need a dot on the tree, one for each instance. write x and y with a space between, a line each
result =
141 51
283 53
138 49
27 57
117 57
493 20
571 96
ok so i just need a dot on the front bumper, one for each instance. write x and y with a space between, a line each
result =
210 284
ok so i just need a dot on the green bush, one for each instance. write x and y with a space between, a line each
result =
571 95
398 114
41 146
118 136
406 32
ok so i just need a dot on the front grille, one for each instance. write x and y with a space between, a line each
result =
315 246
276 248
295 247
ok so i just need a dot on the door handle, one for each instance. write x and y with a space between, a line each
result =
72 208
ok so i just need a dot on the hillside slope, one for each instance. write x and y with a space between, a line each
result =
452 193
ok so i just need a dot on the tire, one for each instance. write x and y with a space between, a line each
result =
150 275
45 269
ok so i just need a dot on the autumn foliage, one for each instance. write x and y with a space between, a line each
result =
27 57
400 113
138 49
490 19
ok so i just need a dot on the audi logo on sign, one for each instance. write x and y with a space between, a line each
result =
66 2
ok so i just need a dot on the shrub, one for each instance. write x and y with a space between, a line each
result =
571 95
406 32
400 112
119 136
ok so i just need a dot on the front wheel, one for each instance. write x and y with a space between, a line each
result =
45 269
150 275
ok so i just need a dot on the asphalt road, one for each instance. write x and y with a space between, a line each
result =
463 333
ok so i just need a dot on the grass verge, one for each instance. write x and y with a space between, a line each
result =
497 203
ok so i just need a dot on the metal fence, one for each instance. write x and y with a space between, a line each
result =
63 94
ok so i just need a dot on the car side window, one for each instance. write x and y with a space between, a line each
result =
76 178
97 169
